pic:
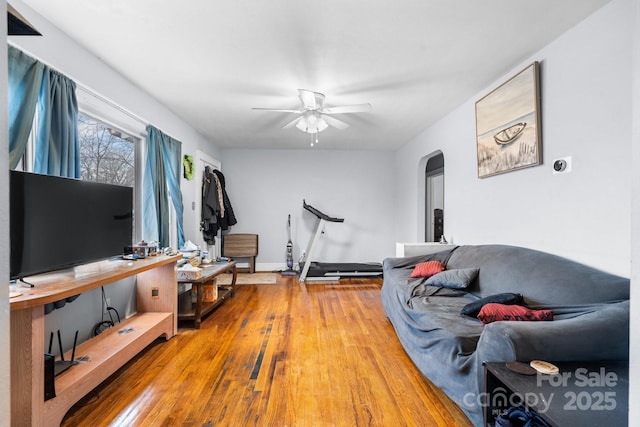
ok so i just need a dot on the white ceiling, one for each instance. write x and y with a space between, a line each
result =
210 61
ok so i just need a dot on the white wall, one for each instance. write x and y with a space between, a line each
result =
634 356
265 186
583 215
5 368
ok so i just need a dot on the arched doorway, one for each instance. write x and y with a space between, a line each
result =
434 198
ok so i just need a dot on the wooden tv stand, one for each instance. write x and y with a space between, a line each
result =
156 294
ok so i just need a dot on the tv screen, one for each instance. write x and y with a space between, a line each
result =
59 222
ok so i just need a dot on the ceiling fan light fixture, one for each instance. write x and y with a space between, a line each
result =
321 125
314 117
312 122
303 125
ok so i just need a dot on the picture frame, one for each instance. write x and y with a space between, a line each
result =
508 125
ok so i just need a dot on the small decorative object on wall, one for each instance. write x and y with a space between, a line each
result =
187 161
508 125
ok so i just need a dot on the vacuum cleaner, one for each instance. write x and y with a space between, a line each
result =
289 271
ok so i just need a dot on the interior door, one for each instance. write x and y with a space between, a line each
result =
434 198
203 160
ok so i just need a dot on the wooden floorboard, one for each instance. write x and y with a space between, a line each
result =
288 354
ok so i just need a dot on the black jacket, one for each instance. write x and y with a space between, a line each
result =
217 212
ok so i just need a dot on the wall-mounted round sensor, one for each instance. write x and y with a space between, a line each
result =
559 165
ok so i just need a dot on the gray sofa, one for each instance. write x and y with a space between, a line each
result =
590 322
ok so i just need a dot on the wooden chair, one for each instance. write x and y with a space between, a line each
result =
241 245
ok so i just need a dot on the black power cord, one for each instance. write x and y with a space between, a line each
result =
105 324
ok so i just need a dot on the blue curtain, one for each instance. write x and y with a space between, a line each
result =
25 81
161 179
57 142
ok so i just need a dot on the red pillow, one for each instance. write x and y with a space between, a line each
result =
494 312
427 269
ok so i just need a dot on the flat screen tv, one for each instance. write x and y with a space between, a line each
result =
57 223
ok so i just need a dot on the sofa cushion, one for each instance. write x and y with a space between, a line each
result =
473 308
427 268
493 312
458 278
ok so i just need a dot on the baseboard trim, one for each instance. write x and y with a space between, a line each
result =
271 266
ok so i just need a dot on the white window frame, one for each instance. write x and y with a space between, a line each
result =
108 112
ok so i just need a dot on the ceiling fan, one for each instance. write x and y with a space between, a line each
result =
314 117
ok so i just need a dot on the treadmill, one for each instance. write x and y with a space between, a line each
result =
323 271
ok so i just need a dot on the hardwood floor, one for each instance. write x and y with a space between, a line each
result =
288 354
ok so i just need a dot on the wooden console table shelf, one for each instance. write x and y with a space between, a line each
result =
156 290
197 310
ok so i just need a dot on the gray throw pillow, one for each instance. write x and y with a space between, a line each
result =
458 278
508 298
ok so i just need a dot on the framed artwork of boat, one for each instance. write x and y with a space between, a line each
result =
508 135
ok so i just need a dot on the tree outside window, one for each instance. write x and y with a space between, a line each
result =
106 154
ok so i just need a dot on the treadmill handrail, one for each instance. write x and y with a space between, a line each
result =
319 214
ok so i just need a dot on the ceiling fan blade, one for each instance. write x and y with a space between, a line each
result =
292 122
331 121
277 110
358 108
311 100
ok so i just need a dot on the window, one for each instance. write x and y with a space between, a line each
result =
112 145
106 154
101 118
